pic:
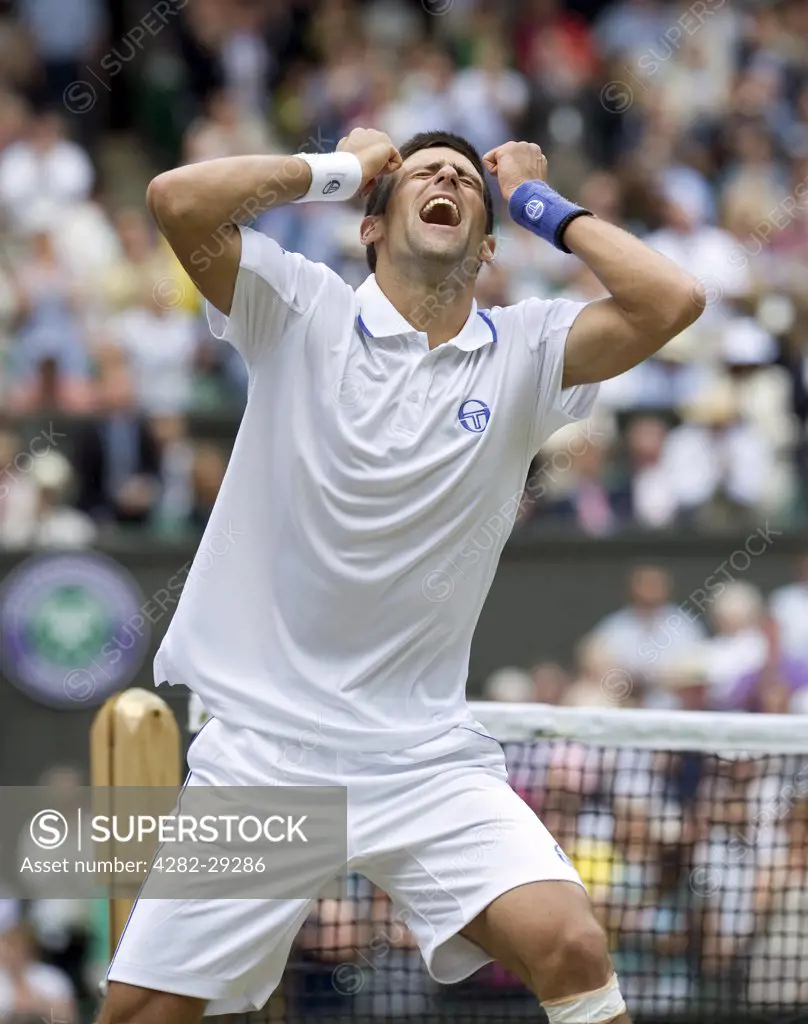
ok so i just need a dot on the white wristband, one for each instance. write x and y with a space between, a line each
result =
334 177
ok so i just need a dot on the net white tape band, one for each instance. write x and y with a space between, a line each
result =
598 1007
334 177
629 728
639 729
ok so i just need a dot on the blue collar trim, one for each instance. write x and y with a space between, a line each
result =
483 315
490 323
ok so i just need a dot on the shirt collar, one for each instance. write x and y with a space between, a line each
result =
378 318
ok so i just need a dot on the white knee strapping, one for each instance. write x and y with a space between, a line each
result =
598 1007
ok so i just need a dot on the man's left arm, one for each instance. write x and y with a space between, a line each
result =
651 300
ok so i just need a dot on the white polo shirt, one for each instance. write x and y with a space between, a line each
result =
372 485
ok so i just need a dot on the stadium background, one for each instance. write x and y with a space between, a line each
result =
659 554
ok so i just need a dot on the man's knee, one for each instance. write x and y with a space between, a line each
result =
129 1004
583 946
579 983
579 961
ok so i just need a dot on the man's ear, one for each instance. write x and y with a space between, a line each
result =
371 230
487 249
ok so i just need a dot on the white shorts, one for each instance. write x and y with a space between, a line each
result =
437 827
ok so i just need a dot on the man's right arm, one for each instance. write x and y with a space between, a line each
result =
199 207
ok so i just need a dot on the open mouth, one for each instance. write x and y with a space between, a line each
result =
441 210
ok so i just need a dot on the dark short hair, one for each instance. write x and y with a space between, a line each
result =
380 196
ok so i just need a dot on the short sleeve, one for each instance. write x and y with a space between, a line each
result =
271 286
546 323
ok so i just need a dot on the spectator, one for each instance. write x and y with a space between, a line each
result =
226 130
550 681
651 488
778 686
176 463
650 631
144 261
687 685
630 28
651 911
425 97
586 500
208 472
789 607
157 340
734 846
689 238
739 645
720 462
62 928
509 685
52 362
86 242
778 967
761 392
336 932
43 166
398 984
568 808
18 493
65 34
117 459
597 684
29 988
57 523
489 98
246 58
667 381
554 49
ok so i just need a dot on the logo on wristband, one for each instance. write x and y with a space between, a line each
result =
534 209
330 187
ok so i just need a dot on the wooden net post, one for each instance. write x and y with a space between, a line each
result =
134 741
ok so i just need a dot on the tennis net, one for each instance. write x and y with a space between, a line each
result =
690 831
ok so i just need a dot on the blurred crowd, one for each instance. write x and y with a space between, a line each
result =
53 952
686 124
696 866
723 647
697 863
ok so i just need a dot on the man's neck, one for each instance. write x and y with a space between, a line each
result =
440 306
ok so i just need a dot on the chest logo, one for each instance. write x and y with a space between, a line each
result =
474 415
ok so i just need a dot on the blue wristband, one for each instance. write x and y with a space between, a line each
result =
537 207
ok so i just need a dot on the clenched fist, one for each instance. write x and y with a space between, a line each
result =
376 153
515 163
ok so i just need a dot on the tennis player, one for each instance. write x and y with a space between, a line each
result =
372 484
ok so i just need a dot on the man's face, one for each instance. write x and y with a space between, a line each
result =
436 211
